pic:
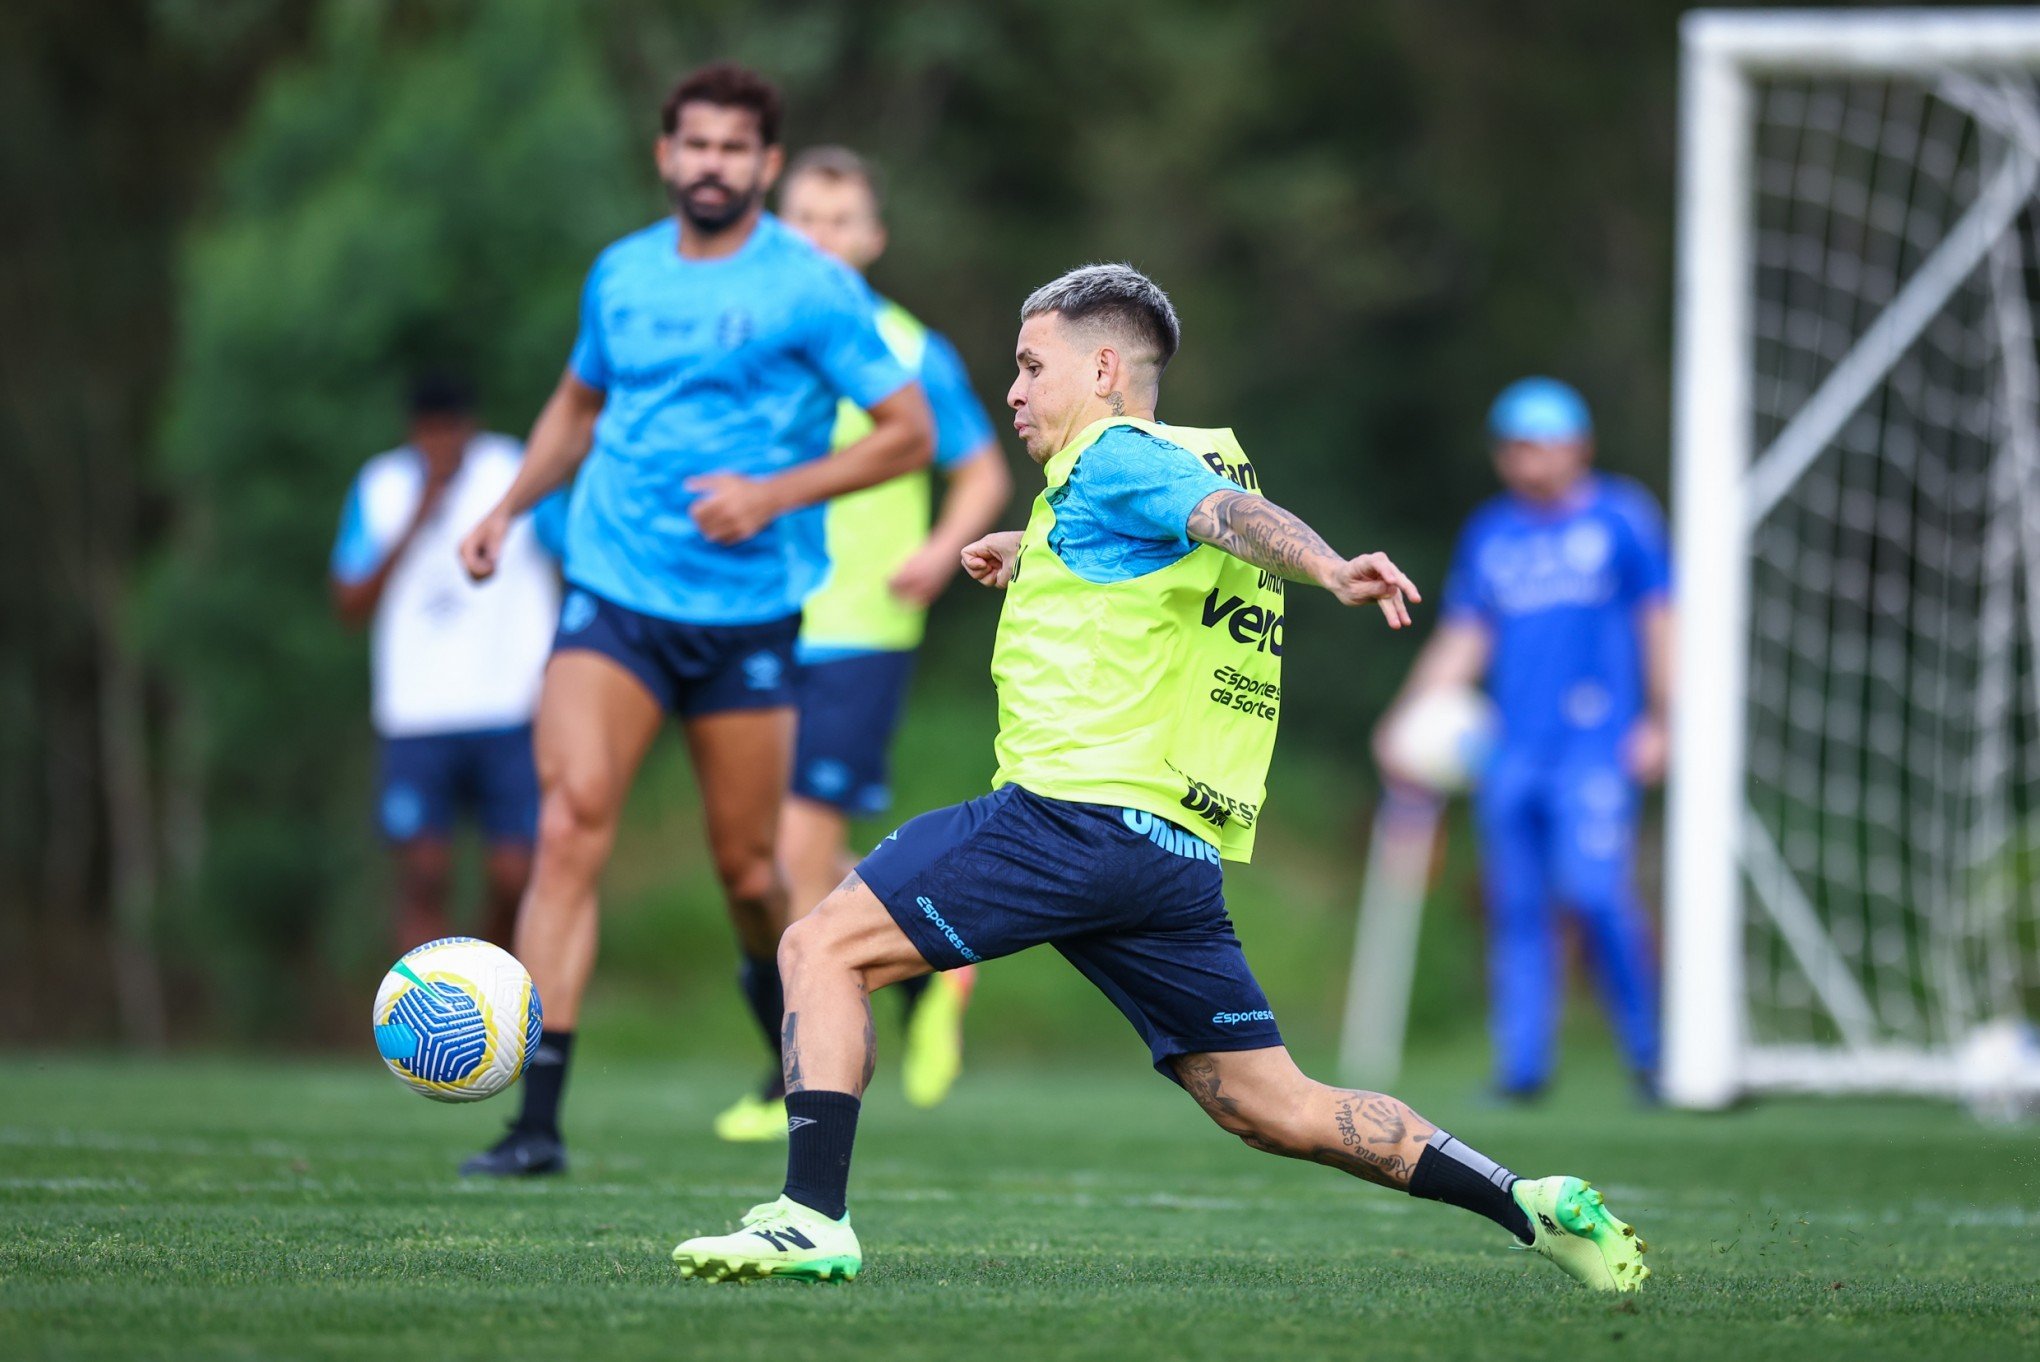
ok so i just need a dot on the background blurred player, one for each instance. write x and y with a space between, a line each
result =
1149 566
713 349
1559 602
455 665
860 629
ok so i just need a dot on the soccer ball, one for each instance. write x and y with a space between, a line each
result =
456 1019
1998 1069
1443 738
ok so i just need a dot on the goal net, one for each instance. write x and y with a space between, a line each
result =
1855 820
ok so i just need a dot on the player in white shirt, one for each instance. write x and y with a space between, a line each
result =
456 664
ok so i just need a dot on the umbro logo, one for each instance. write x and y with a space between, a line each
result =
794 1123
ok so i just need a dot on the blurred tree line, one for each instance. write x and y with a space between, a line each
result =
236 226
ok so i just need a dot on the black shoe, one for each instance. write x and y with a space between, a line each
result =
519 1154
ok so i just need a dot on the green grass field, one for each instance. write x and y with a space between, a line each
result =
272 1209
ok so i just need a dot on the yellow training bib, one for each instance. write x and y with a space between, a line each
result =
1158 693
869 534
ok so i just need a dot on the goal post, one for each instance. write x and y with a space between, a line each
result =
1854 812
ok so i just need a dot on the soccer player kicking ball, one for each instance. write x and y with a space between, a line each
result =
1138 670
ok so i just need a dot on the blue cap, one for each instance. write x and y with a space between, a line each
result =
1539 409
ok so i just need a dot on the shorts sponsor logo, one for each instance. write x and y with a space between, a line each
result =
1247 694
1256 626
1215 808
577 613
1259 1014
762 671
928 911
1169 837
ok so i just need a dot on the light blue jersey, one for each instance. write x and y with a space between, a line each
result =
1125 511
961 426
1558 589
712 366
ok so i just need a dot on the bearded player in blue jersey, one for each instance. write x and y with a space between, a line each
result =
1558 601
696 407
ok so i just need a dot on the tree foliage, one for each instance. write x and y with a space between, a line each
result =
1371 217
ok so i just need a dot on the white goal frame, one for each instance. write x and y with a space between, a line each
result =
1722 486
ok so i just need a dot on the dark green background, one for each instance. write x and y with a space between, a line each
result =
234 225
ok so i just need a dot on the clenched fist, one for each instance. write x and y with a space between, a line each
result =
991 560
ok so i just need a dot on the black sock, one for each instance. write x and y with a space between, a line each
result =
910 991
821 1127
545 1079
759 979
1448 1171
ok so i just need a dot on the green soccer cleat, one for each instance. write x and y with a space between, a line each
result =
1575 1231
934 1052
752 1119
779 1239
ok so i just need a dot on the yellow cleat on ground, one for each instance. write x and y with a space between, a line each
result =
752 1120
934 1051
778 1239
1575 1230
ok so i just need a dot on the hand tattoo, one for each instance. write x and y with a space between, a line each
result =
1256 530
1368 1124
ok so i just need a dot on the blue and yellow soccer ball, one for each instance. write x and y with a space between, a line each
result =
456 1019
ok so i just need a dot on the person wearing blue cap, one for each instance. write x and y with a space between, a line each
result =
1558 604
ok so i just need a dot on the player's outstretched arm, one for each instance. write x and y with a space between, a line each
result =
1256 530
560 439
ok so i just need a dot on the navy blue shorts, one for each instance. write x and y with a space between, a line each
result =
1133 901
430 780
849 707
690 669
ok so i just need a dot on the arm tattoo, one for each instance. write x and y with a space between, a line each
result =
1256 530
789 1050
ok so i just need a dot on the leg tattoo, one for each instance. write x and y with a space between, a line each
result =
1373 1129
1377 1138
870 1037
789 1050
